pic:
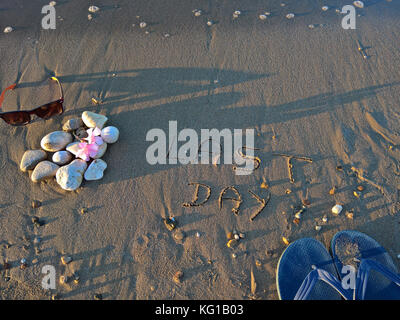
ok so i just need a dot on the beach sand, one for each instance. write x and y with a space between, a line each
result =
305 91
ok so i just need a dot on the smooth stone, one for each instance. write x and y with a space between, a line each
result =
70 177
44 170
93 120
62 157
31 158
72 124
56 141
101 151
110 134
73 148
95 171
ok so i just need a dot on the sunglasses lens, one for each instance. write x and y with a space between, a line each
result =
16 118
49 110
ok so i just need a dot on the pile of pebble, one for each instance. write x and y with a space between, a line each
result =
64 146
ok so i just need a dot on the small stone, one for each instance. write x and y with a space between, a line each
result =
197 13
62 157
236 236
290 16
198 234
234 255
360 188
72 124
35 261
93 9
8 29
31 158
337 209
70 177
90 17
178 277
318 228
66 259
93 120
332 191
52 3
110 134
84 210
95 171
143 24
325 8
262 17
325 219
56 141
44 170
209 23
102 150
36 204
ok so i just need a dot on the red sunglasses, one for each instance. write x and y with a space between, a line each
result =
46 111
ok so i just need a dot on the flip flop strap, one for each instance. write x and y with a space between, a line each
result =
365 267
313 277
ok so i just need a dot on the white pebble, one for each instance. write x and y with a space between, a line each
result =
262 17
290 16
8 29
209 23
325 8
52 3
318 228
198 234
358 4
197 13
325 219
143 25
90 17
337 209
93 9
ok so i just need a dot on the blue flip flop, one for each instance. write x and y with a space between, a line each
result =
376 275
306 271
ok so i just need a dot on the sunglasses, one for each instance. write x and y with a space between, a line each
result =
46 111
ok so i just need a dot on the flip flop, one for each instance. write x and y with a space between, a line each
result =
306 271
376 275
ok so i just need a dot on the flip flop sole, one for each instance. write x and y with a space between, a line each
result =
296 263
347 245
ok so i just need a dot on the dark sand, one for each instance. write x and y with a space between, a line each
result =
305 92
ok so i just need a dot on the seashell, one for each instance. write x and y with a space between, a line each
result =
317 228
209 23
234 255
143 24
325 8
325 219
290 16
90 17
311 26
267 13
236 236
358 4
62 157
198 234
93 9
52 3
285 241
262 17
31 158
232 243
66 259
360 188
197 13
337 209
8 29
283 4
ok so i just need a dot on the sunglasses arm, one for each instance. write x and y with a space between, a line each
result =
6 89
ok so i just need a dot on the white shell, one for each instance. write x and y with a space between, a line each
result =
237 12
8 29
143 24
359 4
318 228
52 3
93 9
110 134
262 16
325 8
337 209
290 16
209 23
197 13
